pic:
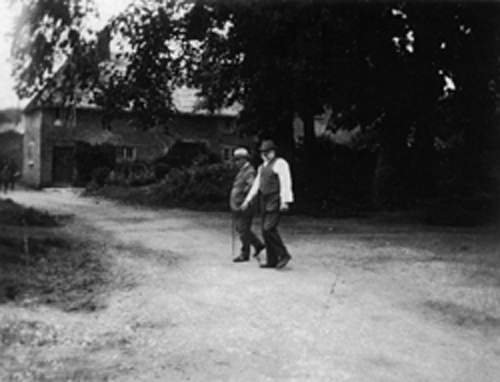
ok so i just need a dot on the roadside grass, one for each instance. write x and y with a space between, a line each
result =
40 263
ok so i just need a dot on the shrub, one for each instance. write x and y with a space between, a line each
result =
141 178
137 173
161 170
99 175
198 186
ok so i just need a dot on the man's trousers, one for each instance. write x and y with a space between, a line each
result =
248 239
275 247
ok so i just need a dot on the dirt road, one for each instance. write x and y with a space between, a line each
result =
358 302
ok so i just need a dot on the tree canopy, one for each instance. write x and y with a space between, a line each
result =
412 71
48 35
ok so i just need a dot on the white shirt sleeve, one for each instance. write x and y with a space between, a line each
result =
282 169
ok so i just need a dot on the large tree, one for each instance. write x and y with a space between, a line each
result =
285 58
445 43
57 47
149 33
50 36
475 67
383 65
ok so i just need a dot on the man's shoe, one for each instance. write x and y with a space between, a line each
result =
240 259
267 266
283 262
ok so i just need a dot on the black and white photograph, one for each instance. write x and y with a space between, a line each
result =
249 191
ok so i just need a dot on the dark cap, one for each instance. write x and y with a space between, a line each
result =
267 145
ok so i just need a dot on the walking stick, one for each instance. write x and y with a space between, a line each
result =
233 228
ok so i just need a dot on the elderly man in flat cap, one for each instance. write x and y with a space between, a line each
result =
274 184
243 217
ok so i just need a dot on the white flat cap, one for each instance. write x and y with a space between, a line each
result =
241 152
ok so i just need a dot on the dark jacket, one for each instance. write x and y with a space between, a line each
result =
241 185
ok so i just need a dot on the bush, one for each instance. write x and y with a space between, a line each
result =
161 170
141 178
198 186
137 173
99 175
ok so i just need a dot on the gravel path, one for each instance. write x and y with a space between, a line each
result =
353 305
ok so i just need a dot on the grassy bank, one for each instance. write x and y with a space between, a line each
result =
41 263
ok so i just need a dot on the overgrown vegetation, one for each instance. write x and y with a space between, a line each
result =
340 187
198 187
40 263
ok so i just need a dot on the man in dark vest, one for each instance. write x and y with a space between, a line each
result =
274 185
243 218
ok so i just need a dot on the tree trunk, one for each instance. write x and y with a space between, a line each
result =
474 172
307 117
310 152
283 136
423 174
389 185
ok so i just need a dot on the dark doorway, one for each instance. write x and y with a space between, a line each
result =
62 165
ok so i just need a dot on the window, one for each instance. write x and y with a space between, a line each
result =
227 153
126 153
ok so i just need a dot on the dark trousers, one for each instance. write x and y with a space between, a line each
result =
275 247
248 239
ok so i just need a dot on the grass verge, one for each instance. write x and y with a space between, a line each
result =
41 263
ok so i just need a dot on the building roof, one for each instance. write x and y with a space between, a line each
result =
185 99
98 136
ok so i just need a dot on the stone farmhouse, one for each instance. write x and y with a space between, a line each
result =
51 134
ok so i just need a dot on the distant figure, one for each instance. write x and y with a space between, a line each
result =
5 178
274 185
12 176
243 218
